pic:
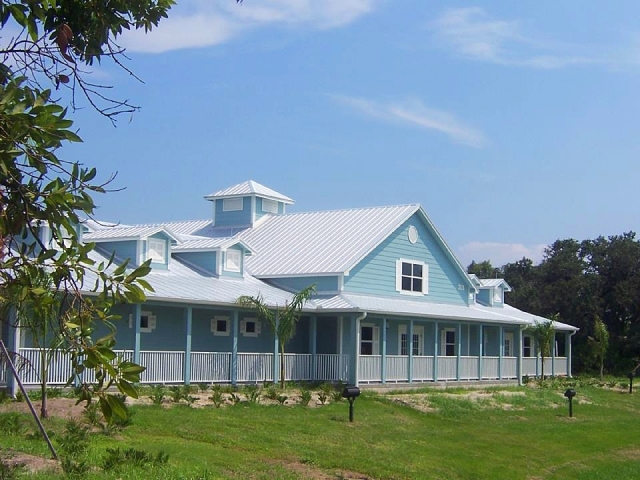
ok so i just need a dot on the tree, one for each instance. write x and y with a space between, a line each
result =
599 343
484 269
281 320
543 333
41 193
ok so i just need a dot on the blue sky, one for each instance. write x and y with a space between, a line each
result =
512 123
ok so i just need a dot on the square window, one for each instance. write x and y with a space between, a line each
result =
250 327
411 277
220 326
232 204
147 321
157 250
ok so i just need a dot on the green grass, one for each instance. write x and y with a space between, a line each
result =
502 435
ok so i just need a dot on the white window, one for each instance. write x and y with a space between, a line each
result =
233 260
526 346
232 204
369 339
147 321
448 342
269 206
250 327
412 277
220 326
418 340
508 345
157 250
497 295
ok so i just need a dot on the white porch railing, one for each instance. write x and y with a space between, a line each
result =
331 367
255 367
529 366
162 367
397 368
490 367
468 368
447 368
369 368
58 366
560 367
211 367
298 366
422 369
509 367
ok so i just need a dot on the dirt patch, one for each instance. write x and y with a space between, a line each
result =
421 401
56 407
309 471
30 463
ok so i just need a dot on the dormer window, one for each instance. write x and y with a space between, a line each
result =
157 250
233 261
497 295
232 204
269 206
412 277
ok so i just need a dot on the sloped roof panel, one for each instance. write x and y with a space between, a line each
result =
116 233
249 188
319 242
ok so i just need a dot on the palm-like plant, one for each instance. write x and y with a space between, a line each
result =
281 319
543 333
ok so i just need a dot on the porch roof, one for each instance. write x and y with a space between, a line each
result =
406 307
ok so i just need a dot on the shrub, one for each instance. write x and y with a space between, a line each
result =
157 394
116 458
12 424
305 397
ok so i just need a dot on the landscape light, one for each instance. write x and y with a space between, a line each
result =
570 393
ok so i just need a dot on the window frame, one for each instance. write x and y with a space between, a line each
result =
257 328
233 204
400 276
508 339
269 206
151 321
444 344
418 331
375 339
229 262
158 241
214 326
497 296
526 347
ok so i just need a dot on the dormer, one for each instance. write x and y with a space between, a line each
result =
137 243
491 291
243 204
218 256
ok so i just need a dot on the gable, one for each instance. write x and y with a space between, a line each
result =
376 273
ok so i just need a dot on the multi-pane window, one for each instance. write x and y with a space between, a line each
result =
526 346
418 340
448 347
411 277
508 345
369 340
157 250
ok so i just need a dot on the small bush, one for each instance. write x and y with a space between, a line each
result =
272 393
305 397
176 393
203 387
12 424
92 414
74 439
10 472
116 458
157 394
282 399
253 393
235 398
323 397
217 398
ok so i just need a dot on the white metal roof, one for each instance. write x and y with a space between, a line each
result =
249 188
319 242
493 282
127 232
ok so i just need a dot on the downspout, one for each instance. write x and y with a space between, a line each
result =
356 357
569 355
520 346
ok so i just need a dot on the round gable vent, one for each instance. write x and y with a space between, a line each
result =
413 234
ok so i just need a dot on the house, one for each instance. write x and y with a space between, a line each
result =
393 303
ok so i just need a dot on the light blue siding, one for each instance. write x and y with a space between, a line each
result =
203 260
376 274
296 284
484 296
235 218
127 249
167 248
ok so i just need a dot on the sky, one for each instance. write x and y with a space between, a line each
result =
513 124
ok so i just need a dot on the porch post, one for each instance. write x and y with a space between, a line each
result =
234 348
137 313
568 350
435 352
187 351
458 350
383 360
313 337
410 351
553 355
14 344
276 371
480 350
355 349
519 365
500 352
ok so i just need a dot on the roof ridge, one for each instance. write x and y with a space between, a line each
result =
352 209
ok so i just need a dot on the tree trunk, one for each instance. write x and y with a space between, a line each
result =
43 385
282 366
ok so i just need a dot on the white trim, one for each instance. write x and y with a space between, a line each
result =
257 329
497 295
273 206
375 338
443 341
412 234
233 260
151 321
214 326
399 276
507 337
157 253
417 330
233 204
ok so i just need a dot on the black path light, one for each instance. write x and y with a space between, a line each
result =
631 375
570 393
350 393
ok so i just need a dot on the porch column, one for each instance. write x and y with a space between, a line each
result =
313 336
234 348
458 350
188 314
568 350
410 351
553 355
276 371
355 350
137 313
480 350
14 344
435 352
519 365
383 360
500 352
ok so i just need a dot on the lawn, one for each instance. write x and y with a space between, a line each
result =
510 433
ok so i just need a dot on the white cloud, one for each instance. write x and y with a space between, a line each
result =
197 23
499 253
414 112
472 33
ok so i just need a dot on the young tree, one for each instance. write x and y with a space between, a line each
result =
281 320
49 43
599 343
543 333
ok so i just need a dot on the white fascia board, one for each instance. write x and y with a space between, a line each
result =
189 250
300 275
